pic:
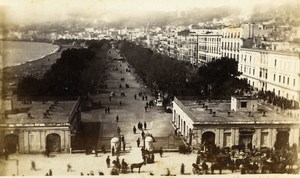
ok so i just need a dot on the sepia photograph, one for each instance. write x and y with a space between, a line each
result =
150 88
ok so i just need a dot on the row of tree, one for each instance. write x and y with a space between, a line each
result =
283 103
77 73
168 75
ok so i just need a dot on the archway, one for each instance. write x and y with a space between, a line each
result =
245 138
208 138
282 140
53 142
11 142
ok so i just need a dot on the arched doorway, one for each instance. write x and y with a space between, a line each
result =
282 140
208 138
11 142
53 142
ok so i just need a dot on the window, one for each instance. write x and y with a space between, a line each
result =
288 80
243 104
278 92
227 139
275 62
253 71
249 70
279 78
260 73
294 82
274 78
264 139
283 79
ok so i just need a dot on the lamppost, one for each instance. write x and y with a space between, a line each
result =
17 163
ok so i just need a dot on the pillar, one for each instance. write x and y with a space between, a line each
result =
221 137
273 133
294 136
257 139
26 142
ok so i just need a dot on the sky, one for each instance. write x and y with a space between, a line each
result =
28 11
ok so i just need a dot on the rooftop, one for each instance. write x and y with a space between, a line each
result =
201 115
57 113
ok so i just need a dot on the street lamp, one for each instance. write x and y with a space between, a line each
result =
17 163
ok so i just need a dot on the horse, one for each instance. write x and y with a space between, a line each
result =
196 169
216 166
251 168
137 165
117 164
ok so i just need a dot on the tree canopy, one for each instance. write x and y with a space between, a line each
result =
159 72
220 78
76 73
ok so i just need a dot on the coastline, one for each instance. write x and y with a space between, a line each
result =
35 67
58 47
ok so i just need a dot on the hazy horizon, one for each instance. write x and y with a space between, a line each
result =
105 11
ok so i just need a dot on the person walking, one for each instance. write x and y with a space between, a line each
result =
146 97
138 142
182 169
124 146
50 172
145 108
143 134
122 138
135 96
145 125
134 130
113 151
69 167
118 130
161 152
108 109
120 103
117 118
33 166
6 154
96 152
108 162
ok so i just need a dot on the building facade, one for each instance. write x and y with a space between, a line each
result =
37 126
214 123
231 42
274 71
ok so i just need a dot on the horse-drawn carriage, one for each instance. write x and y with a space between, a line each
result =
122 93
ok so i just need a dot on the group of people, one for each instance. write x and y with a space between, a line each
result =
107 110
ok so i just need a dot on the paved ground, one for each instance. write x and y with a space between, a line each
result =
130 112
87 163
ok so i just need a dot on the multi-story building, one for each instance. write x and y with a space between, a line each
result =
202 46
209 47
275 71
231 42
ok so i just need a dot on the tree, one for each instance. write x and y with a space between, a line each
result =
220 78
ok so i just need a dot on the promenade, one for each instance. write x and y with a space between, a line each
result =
104 126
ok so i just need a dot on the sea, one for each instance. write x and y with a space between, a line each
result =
18 52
